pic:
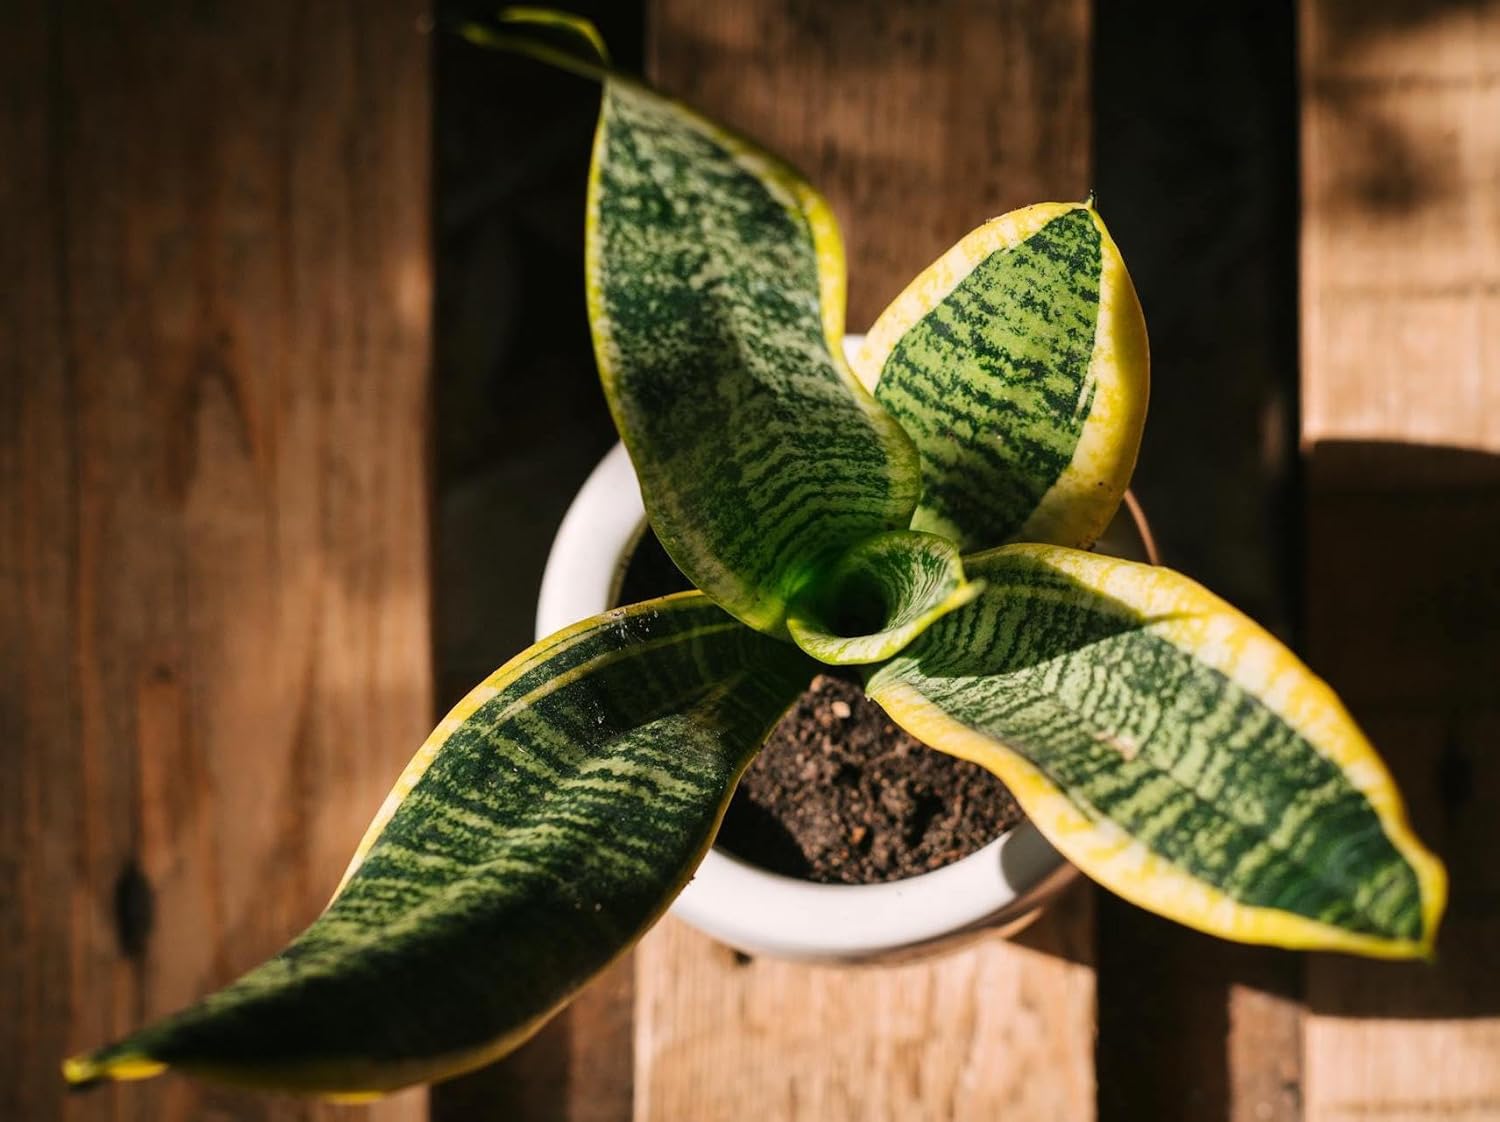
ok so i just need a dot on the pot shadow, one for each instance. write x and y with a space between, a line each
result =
752 833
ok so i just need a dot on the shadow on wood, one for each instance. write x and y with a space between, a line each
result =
1404 615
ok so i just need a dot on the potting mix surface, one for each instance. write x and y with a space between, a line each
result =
839 794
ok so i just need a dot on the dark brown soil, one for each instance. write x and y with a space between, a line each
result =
839 794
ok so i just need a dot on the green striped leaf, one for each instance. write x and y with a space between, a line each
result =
878 597
715 282
1018 365
716 295
1173 751
545 824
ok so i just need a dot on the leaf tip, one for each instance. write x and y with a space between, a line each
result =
582 30
89 1068
1433 878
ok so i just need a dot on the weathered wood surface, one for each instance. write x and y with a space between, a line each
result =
993 1030
1196 146
214 641
213 583
512 152
1401 428
918 121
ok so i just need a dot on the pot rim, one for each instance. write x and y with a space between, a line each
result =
742 904
731 899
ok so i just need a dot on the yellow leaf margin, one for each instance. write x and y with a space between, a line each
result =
797 197
1076 508
1195 620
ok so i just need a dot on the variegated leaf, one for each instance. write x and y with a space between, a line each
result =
1173 751
545 824
1018 364
716 296
716 288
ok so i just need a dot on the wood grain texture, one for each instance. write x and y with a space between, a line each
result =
578 1068
1401 428
918 121
994 1029
1401 157
213 509
512 149
1196 123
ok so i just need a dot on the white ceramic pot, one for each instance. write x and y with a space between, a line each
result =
760 912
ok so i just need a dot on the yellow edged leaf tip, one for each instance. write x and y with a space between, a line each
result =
573 25
86 1070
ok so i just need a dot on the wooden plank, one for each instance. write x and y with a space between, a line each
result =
1401 425
1411 648
578 1068
512 142
1196 116
213 510
918 120
996 1030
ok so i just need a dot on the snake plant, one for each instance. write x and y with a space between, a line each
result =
924 516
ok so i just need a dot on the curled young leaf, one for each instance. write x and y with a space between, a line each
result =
545 824
1173 751
1018 365
878 597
